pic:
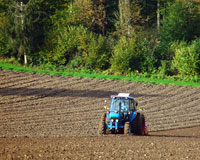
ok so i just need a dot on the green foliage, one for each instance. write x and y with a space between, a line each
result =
20 28
93 52
110 10
62 46
4 48
179 23
132 55
128 18
11 60
65 17
123 54
79 47
145 50
98 55
73 44
89 36
92 14
176 20
165 68
62 41
172 81
186 59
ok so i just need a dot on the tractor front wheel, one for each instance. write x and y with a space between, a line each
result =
127 129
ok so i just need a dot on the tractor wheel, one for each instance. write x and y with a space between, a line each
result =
102 125
141 125
134 125
127 129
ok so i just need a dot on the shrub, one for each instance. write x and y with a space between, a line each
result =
61 40
63 46
130 54
165 68
92 53
179 23
98 55
123 55
186 59
145 51
66 44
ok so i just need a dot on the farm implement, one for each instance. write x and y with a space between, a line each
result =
122 116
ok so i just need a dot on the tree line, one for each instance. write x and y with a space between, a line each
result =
118 37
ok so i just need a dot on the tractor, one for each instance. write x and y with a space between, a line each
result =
122 116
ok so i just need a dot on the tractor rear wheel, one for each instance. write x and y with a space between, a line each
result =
102 125
127 129
141 125
134 125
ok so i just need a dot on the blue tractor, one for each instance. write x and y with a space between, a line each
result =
122 116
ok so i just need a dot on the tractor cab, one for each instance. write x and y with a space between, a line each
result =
122 103
121 106
122 116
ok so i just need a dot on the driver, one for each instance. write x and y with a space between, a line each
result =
124 107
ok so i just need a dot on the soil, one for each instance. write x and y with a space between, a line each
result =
56 117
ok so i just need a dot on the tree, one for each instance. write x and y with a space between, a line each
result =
179 23
110 7
161 6
92 14
131 54
22 30
4 47
153 11
186 59
129 17
125 15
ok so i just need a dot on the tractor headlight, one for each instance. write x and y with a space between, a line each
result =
112 120
117 120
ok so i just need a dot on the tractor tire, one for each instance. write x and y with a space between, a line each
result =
141 125
102 125
134 125
127 129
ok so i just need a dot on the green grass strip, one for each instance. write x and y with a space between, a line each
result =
16 68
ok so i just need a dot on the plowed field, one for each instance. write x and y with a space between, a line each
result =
55 117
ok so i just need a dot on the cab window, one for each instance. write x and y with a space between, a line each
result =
131 104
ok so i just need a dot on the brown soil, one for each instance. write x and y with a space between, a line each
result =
55 117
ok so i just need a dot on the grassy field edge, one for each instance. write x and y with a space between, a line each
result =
16 68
